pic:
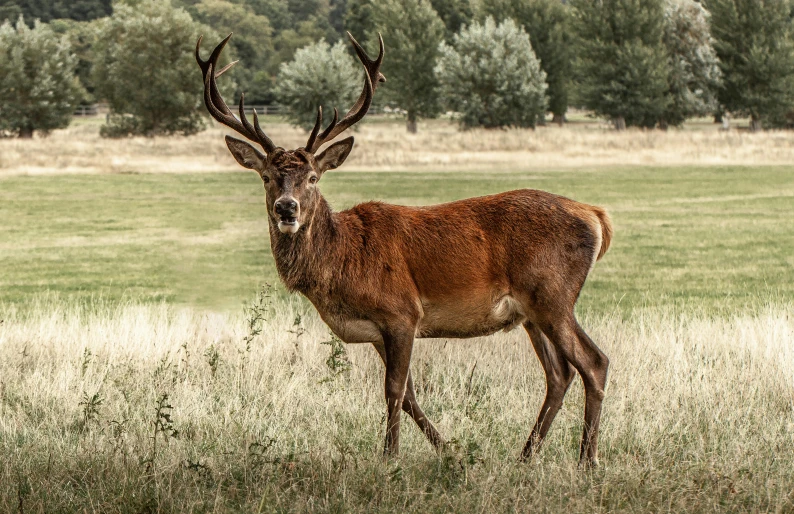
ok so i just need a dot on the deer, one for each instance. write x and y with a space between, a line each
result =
386 275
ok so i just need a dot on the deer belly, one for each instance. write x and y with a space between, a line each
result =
352 330
474 317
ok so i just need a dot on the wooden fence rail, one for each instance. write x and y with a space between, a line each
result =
262 110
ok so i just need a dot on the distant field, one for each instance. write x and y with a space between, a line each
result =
716 239
382 144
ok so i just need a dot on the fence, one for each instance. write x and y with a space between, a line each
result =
86 110
261 110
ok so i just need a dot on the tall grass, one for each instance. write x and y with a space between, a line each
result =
387 146
130 408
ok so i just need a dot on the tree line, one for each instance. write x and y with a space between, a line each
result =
494 63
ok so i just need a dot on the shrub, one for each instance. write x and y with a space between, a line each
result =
546 22
38 86
490 75
319 75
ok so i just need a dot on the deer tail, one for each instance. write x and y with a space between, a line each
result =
606 230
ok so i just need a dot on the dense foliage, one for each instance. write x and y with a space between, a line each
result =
694 68
546 21
647 63
490 75
320 75
622 65
252 44
46 10
755 46
412 31
38 86
144 67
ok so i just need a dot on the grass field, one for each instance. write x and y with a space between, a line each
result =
717 239
118 288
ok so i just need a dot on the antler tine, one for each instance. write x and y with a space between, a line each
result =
266 142
225 68
360 108
217 106
317 125
330 127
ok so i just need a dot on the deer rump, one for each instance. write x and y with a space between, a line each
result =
462 269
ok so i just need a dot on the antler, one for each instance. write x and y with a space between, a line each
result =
217 106
359 109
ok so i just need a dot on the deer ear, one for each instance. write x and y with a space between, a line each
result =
333 156
248 156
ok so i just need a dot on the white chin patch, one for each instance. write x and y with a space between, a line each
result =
288 228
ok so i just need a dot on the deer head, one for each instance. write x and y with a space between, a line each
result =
290 176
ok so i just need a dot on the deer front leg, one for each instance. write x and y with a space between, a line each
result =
411 406
397 347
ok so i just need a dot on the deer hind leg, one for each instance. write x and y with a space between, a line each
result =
591 363
559 375
412 408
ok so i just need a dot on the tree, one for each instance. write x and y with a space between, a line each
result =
81 36
454 13
546 21
622 65
38 86
46 10
694 67
358 20
252 44
753 40
145 69
336 17
490 75
411 31
320 75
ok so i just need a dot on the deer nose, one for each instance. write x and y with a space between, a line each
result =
286 206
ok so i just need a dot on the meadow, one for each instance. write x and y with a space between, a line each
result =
145 365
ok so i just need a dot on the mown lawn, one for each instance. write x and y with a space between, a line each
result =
716 239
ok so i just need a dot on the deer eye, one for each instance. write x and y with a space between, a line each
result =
312 180
265 179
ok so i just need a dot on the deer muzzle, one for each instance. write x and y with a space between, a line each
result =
287 211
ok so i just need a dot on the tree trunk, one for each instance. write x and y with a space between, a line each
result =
620 123
410 124
26 133
663 124
755 124
559 119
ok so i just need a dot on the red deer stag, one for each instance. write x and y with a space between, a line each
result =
386 274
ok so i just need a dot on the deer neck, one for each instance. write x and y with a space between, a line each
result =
304 260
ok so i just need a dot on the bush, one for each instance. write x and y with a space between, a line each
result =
145 69
320 75
38 86
546 22
490 75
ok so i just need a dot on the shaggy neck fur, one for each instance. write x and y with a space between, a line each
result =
304 259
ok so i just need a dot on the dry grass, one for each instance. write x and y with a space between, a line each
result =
699 417
387 146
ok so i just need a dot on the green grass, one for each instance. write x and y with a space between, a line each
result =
717 239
